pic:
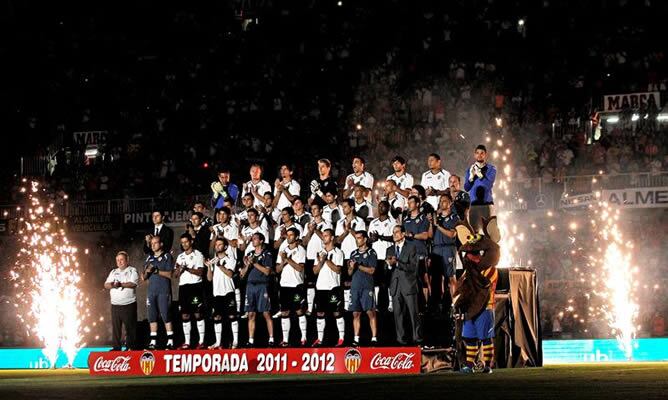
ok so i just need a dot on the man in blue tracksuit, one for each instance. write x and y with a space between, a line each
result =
479 181
444 249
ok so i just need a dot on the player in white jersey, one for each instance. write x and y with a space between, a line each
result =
287 222
253 226
221 271
313 242
403 179
290 265
189 270
286 189
328 287
380 237
345 236
331 212
256 186
435 181
396 201
363 207
358 177
225 227
302 217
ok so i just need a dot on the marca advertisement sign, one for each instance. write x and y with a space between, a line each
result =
633 101
389 360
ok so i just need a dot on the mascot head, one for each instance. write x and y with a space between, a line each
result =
478 252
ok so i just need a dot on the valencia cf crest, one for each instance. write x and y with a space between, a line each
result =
147 362
353 360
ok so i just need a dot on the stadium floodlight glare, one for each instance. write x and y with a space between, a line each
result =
612 120
520 22
662 117
340 3
635 117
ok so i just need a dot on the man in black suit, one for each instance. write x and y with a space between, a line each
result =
165 233
402 260
199 233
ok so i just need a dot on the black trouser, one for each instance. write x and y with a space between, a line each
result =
124 315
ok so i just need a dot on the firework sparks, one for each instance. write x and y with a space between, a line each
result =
47 279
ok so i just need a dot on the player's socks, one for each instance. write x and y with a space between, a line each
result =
285 325
389 304
186 332
170 338
201 329
218 329
341 326
235 332
321 329
471 352
376 290
251 340
310 296
302 326
356 339
237 298
487 351
154 338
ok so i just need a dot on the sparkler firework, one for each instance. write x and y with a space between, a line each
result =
47 279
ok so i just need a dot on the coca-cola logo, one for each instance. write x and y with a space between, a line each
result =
118 364
400 361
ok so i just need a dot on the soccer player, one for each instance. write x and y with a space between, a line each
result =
302 217
189 271
222 190
254 226
417 233
363 207
403 179
256 185
200 207
328 287
325 183
396 200
290 265
331 211
359 177
421 194
479 182
287 222
225 228
286 189
313 241
122 285
361 266
258 266
435 180
345 236
158 272
443 252
220 270
380 237
461 201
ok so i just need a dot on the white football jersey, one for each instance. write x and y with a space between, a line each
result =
223 284
398 201
247 234
290 277
367 203
364 179
404 182
438 181
262 188
327 212
382 228
314 245
327 278
349 245
229 231
277 234
194 260
291 187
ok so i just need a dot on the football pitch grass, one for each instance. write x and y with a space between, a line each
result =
582 381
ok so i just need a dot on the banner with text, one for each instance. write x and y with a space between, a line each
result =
390 360
633 101
654 197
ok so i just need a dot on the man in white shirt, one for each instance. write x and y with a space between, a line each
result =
328 287
220 270
225 228
286 189
287 222
380 237
290 265
189 271
256 186
254 226
313 241
358 177
435 181
122 283
331 212
403 179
